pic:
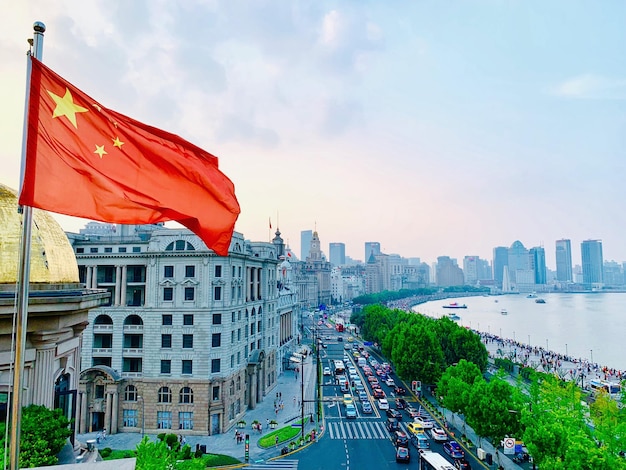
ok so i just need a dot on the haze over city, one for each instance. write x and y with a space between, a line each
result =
432 128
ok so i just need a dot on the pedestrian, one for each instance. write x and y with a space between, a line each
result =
260 428
276 440
104 434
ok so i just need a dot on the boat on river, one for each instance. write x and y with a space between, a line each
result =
540 301
453 316
455 305
504 311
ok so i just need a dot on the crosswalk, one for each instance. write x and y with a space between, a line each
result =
345 429
285 464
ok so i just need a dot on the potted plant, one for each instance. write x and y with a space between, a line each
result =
241 423
273 424
255 424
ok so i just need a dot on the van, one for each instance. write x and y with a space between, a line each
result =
400 439
362 362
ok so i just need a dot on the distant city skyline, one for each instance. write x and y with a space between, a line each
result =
433 128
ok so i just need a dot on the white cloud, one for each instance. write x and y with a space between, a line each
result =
592 86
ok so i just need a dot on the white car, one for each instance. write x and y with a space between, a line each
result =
426 423
390 382
438 434
326 370
383 404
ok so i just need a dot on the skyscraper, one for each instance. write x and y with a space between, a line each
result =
538 264
591 254
564 261
371 248
305 243
337 253
500 260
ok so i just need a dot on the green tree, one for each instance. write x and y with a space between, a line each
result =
160 455
456 383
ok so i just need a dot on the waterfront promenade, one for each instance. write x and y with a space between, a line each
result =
288 387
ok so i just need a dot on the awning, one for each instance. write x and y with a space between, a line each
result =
295 359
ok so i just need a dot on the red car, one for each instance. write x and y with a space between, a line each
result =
378 393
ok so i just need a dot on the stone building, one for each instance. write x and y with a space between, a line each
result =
190 340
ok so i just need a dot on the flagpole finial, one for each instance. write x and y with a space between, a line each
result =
39 27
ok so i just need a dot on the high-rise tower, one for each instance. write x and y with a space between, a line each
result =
371 248
337 253
564 261
591 254
305 243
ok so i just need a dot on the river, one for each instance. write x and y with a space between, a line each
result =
585 326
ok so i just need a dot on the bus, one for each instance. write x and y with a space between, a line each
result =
340 367
602 385
430 460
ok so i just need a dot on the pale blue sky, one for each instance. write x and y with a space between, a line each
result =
435 128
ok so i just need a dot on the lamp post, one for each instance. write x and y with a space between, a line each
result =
143 415
591 351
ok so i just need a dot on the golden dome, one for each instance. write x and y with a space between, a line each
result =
52 259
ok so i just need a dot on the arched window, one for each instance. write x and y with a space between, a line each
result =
130 393
133 320
238 383
165 395
103 320
232 387
180 245
186 395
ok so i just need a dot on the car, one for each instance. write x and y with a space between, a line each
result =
367 407
390 382
372 379
401 403
339 339
378 393
462 464
383 404
438 434
327 337
413 412
350 411
421 441
415 428
403 454
393 413
392 425
350 339
347 399
399 391
347 347
453 449
363 396
400 439
326 370
425 421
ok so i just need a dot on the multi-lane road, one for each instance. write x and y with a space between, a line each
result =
361 442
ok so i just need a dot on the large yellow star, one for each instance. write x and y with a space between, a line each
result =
117 142
100 150
66 107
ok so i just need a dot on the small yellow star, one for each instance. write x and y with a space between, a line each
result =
100 150
117 142
66 107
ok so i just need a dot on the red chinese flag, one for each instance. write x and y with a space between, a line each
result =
85 160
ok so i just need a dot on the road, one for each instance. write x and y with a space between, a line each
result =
363 442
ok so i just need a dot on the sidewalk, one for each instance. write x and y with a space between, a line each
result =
288 386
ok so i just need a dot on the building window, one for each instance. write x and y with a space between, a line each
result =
215 365
232 361
239 334
136 249
168 294
188 319
216 393
187 341
185 420
108 249
190 271
133 341
217 318
80 250
166 341
218 270
164 419
99 391
238 357
101 361
166 366
93 250
130 418
130 393
189 293
168 271
185 395
166 319
251 329
217 293
216 340
232 337
187 367
233 271
131 364
258 326
102 341
165 395
121 249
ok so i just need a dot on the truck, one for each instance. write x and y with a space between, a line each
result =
339 327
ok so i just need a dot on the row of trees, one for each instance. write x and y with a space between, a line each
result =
559 428
421 348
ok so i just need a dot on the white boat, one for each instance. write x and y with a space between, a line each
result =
453 316
504 312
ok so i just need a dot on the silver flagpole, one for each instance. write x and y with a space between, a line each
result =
23 280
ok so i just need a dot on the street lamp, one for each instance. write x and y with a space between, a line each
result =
591 351
143 415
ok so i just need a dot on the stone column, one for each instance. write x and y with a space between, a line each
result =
94 277
107 411
84 414
114 413
118 285
123 287
88 275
